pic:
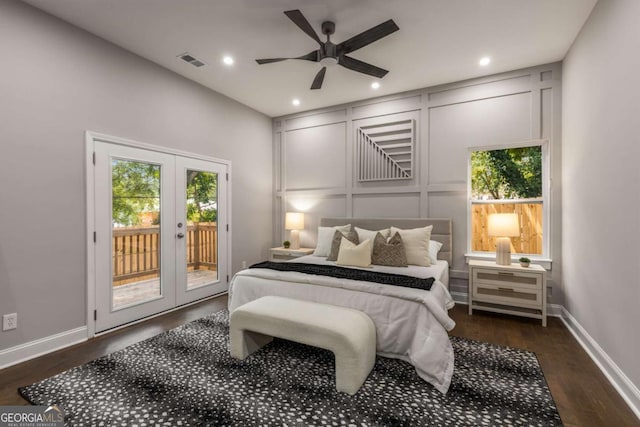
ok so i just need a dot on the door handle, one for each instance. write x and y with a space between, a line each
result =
180 235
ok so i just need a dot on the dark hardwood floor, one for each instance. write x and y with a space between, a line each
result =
583 395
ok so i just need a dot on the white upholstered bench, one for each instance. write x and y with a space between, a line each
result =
348 333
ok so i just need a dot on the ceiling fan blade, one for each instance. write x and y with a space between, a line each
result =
311 56
317 82
270 60
361 67
298 18
367 37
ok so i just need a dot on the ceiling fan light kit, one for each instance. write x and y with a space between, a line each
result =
330 54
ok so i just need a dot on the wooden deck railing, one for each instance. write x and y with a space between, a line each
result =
136 250
530 219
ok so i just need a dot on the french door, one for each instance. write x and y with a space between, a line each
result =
161 232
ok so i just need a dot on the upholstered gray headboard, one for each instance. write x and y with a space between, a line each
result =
442 229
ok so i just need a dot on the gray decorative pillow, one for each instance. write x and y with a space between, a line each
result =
389 253
351 236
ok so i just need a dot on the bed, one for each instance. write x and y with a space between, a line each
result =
411 324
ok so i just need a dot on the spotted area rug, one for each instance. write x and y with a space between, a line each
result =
186 377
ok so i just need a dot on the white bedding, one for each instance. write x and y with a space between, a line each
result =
411 324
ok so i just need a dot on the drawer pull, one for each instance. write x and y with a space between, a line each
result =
506 289
504 273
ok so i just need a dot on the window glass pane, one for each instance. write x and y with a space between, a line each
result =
507 181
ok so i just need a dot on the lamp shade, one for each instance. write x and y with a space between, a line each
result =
294 221
503 225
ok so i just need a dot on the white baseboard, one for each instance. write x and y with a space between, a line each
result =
460 297
611 371
554 310
30 350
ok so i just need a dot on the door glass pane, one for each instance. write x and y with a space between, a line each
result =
135 232
202 231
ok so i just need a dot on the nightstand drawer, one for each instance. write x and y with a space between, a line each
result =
510 279
508 294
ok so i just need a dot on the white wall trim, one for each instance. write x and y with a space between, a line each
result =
623 385
91 226
554 310
459 274
30 350
460 297
101 137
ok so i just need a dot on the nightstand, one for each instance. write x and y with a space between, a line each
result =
509 289
282 254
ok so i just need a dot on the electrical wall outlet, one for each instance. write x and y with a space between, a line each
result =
10 321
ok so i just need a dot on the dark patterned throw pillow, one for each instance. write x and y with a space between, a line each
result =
351 236
389 253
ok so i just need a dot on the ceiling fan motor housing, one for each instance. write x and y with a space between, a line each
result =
328 50
328 28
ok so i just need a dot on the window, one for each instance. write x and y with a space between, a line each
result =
509 180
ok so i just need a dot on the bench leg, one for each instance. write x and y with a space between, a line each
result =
243 343
352 371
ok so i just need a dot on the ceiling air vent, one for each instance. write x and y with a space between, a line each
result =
187 57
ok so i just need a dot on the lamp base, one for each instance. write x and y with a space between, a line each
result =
503 251
295 239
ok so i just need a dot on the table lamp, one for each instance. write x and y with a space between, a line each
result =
294 221
503 226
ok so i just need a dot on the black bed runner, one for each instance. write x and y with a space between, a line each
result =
349 273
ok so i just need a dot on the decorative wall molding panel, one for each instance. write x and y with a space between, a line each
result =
406 155
385 152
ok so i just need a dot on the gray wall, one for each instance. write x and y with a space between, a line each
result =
600 172
56 82
314 167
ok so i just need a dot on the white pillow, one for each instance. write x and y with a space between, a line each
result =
325 237
416 244
434 248
364 234
356 256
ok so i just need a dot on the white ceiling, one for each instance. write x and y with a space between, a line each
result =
439 41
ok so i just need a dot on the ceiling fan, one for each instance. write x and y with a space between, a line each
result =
331 54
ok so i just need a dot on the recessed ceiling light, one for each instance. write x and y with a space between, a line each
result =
484 61
375 85
227 60
296 102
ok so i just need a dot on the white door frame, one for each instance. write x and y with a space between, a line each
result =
90 139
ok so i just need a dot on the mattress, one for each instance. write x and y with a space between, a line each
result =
411 324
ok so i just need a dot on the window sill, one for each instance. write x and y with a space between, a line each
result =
544 262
